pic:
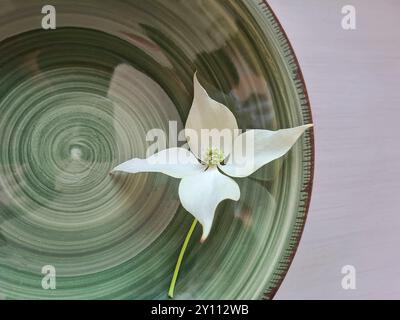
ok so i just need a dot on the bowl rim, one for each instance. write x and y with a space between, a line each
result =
308 160
284 263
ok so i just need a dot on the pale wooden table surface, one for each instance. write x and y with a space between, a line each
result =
353 82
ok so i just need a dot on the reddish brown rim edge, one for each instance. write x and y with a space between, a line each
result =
309 152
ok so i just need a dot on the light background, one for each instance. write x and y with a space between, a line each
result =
353 82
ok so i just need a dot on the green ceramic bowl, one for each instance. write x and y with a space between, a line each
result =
80 99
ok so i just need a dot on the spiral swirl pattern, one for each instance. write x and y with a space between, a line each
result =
78 100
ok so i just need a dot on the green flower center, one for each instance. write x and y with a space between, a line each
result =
213 157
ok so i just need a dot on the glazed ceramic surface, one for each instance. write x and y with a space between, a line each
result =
78 100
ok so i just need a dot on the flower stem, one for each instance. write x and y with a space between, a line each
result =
180 258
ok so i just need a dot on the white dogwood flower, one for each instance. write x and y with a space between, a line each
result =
217 152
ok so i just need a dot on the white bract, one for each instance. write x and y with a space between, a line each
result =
216 147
